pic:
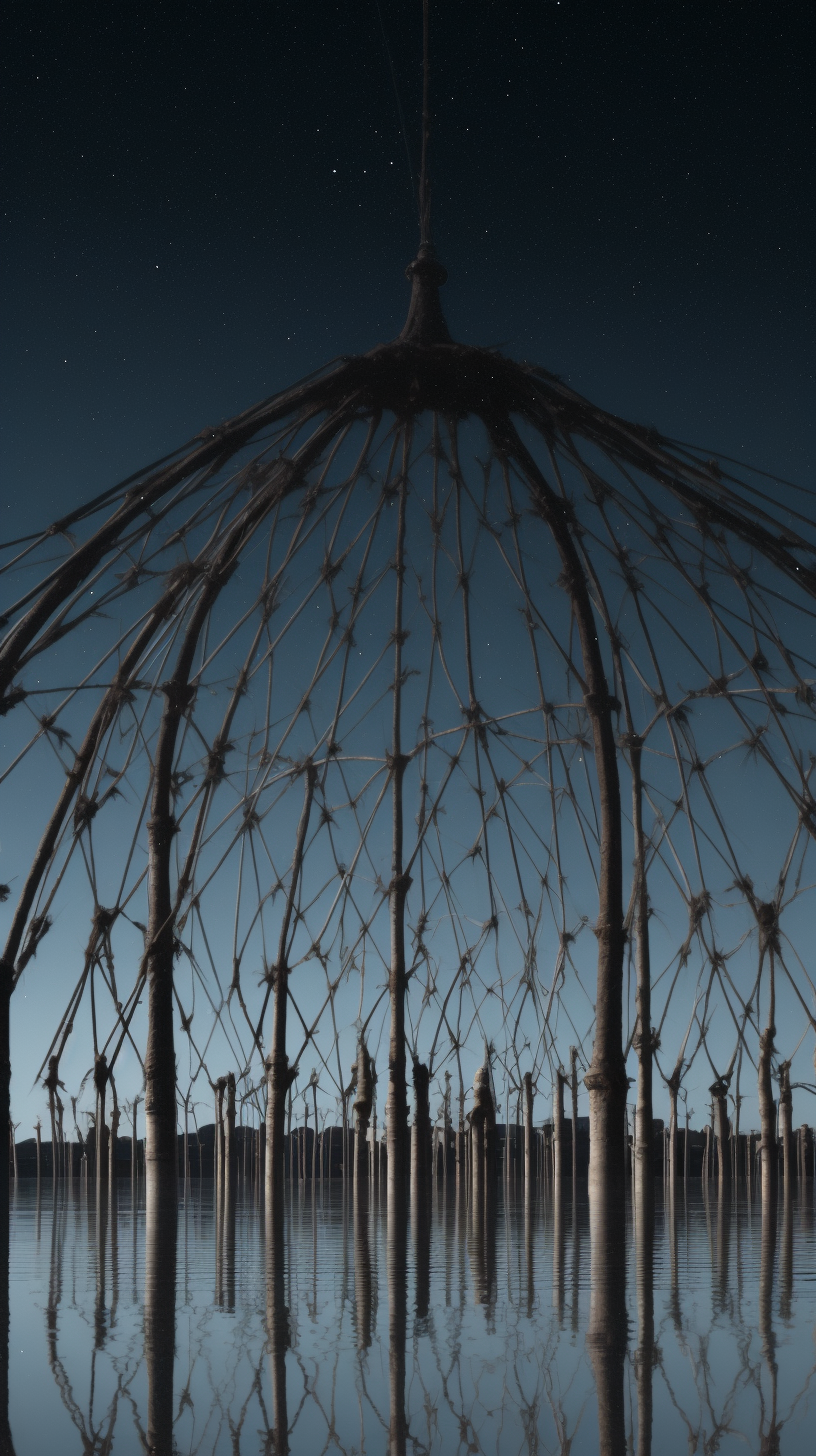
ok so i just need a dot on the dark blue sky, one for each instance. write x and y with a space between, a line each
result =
203 202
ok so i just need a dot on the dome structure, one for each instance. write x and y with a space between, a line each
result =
426 703
370 697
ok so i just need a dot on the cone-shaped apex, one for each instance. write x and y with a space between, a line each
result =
425 323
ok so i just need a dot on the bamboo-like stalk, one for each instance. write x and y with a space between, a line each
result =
606 1079
100 1077
644 1038
363 1287
483 1130
314 1139
767 1106
220 1139
51 1082
186 1145
559 1239
765 1303
421 1132
574 1096
786 1127
160 1318
133 1150
397 1104
362 1113
558 1125
397 1280
644 1361
673 1094
114 1133
446 1106
529 1133
719 1091
230 1152
161 1150
279 1074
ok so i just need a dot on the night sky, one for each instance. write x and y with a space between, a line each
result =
204 203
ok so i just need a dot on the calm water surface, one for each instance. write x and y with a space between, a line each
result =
493 1341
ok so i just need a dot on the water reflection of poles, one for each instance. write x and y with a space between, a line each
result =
576 1258
397 1274
227 1241
277 1313
558 1248
421 1228
362 1265
6 1444
446 1123
645 1356
674 1272
364 1087
723 1247
769 1439
100 1310
161 1215
786 1252
606 1335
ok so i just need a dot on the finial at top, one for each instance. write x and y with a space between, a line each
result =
425 323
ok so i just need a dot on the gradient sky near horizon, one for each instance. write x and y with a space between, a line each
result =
205 203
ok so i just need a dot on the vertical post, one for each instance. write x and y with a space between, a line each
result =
574 1090
673 1091
767 1106
314 1139
786 1126
421 1132
230 1150
447 1127
6 982
643 1039
558 1126
133 1151
362 1114
114 1133
529 1132
718 1091
220 1138
100 1127
397 1106
279 1077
